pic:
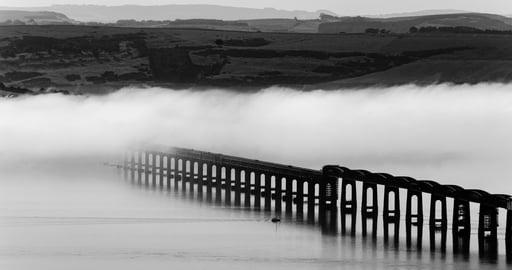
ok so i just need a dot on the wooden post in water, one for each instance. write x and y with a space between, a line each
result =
461 226
414 219
369 212
391 216
438 224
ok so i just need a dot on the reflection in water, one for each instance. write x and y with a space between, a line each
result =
329 222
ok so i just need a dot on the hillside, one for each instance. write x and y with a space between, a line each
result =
33 17
96 13
403 24
92 59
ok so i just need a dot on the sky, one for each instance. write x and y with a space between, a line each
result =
342 7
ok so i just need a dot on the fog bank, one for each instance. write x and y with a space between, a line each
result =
452 134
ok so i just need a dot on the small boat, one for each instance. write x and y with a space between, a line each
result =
275 220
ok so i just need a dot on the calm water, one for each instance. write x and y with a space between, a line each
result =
76 219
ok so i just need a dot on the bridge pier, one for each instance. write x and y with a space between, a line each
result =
161 180
391 216
289 194
218 183
169 171
508 236
414 219
238 188
257 190
146 168
488 231
348 204
369 211
153 169
228 186
247 188
184 177
209 184
438 224
299 199
461 226
278 194
200 179
268 192
139 167
311 200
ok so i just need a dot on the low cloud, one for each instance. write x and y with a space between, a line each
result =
453 134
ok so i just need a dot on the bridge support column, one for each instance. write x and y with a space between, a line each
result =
139 167
184 177
132 166
289 194
247 189
161 180
228 186
369 211
278 194
218 183
488 231
268 192
176 172
311 200
414 219
257 190
147 168
438 224
299 198
153 169
209 184
348 206
391 216
238 188
200 179
508 236
461 226
169 171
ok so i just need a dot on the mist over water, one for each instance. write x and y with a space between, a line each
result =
60 208
452 134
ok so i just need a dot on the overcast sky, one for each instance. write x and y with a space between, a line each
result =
342 7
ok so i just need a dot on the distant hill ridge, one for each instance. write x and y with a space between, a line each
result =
481 21
33 17
97 13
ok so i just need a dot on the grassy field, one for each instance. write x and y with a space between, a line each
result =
80 58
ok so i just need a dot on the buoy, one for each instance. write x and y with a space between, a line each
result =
275 220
